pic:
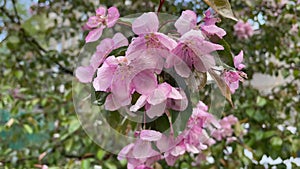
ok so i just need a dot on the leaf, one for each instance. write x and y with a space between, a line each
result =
222 7
119 51
226 55
222 85
28 128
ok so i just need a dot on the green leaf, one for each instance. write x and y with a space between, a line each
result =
222 7
276 141
226 55
222 86
28 128
86 164
100 154
119 51
74 125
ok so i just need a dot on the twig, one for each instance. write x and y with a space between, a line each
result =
161 3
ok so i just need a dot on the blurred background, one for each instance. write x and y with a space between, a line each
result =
40 44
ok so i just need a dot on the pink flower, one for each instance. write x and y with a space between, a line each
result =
101 21
186 22
146 26
124 75
140 155
209 27
232 79
192 51
155 102
243 30
226 131
85 74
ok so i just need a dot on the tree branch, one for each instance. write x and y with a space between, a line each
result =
161 3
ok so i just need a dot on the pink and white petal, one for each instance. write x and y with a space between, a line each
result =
112 16
170 159
191 148
156 110
145 82
85 74
119 40
125 151
142 149
139 103
150 135
94 35
178 105
160 94
186 22
101 11
121 86
105 46
97 59
166 41
110 104
93 22
146 23
164 143
213 30
182 69
175 94
204 62
104 77
178 150
238 61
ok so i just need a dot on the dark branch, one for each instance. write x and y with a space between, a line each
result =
161 3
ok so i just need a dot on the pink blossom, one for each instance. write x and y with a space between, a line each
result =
135 72
186 22
243 30
140 154
146 26
100 21
209 27
232 79
192 51
155 102
85 74
226 131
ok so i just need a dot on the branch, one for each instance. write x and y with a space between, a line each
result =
161 3
28 38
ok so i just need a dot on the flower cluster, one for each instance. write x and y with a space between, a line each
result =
243 30
136 80
194 139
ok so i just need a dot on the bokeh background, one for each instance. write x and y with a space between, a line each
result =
40 44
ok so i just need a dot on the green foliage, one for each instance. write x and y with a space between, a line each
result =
38 51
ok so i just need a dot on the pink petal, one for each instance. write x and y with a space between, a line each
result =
178 104
166 41
104 77
94 35
156 110
147 23
119 40
186 21
139 103
142 149
238 61
112 17
145 82
170 159
213 30
93 22
178 150
204 63
110 104
175 94
101 11
105 46
182 69
150 135
124 152
160 94
85 74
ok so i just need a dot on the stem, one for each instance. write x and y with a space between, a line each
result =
161 3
